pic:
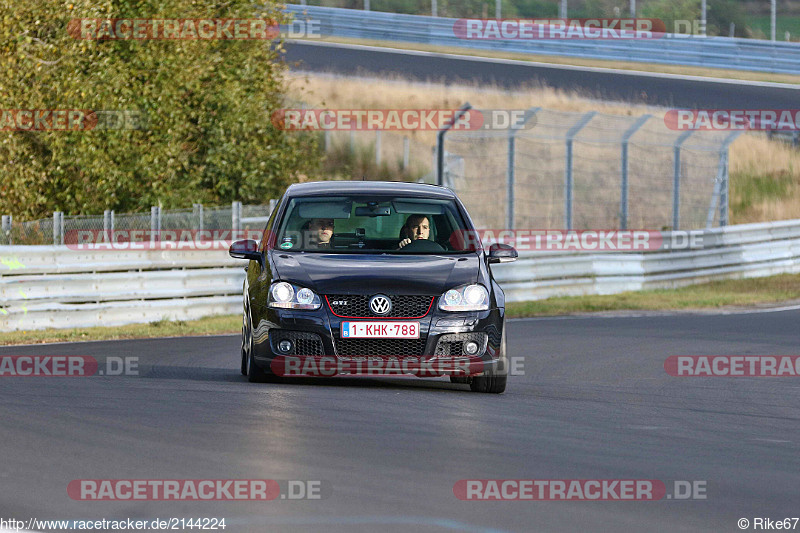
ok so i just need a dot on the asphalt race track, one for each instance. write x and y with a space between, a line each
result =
646 88
594 403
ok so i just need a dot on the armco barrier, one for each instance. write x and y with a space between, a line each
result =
58 287
54 286
707 52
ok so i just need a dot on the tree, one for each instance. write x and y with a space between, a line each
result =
205 105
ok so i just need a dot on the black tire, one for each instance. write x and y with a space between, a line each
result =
251 369
244 353
493 382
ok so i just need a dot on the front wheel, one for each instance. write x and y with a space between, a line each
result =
245 349
494 381
249 367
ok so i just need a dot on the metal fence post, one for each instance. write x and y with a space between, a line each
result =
573 131
434 9
715 195
107 224
511 163
623 195
236 216
352 141
676 181
327 141
725 189
440 142
155 223
405 153
6 227
58 228
197 213
377 147
721 185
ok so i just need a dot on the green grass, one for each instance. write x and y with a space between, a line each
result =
716 294
749 190
214 325
741 292
790 23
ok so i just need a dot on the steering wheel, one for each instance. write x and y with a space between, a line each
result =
422 245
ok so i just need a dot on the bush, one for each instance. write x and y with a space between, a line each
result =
207 102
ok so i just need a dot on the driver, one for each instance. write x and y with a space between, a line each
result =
318 232
417 227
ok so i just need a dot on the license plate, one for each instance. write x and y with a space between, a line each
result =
380 330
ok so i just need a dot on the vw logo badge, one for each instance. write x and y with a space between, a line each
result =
380 304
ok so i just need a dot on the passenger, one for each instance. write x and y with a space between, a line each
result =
318 232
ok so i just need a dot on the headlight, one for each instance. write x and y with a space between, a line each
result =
466 298
287 296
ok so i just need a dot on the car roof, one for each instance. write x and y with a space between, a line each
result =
314 188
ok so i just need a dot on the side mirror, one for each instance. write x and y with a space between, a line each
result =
502 253
246 249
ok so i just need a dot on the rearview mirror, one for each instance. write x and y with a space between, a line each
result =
245 249
502 253
373 211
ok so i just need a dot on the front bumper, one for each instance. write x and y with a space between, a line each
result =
316 336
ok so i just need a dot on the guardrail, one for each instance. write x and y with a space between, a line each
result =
58 287
672 49
748 250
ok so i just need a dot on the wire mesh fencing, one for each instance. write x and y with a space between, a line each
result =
551 170
567 170
137 227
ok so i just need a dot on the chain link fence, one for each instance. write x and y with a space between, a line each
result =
135 227
554 170
568 170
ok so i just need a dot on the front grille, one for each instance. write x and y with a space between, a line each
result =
357 306
304 343
380 347
452 344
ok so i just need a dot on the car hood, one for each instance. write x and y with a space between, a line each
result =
367 274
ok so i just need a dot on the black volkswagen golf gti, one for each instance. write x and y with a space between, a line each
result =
372 271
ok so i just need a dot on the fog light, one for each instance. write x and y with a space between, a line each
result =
285 346
471 348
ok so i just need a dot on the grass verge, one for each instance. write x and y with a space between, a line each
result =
717 294
212 325
712 295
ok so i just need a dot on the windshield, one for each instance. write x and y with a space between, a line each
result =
371 224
